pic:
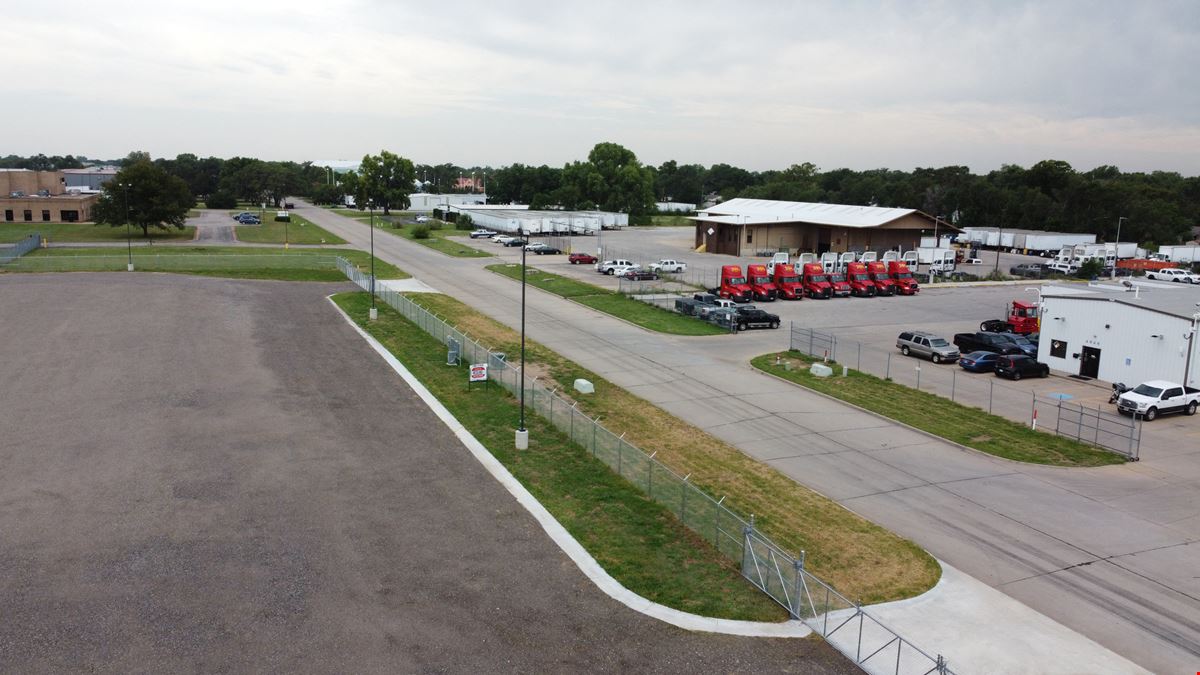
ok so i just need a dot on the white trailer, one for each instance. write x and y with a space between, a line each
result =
1180 254
1052 241
927 256
942 241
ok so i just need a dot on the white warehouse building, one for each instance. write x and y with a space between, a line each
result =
512 219
1117 333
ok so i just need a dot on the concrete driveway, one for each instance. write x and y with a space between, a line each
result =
205 475
1108 552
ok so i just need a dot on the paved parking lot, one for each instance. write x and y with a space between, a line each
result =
205 475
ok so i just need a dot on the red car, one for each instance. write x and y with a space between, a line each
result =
582 259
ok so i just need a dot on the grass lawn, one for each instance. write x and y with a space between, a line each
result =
962 424
672 220
87 232
638 541
610 302
437 240
298 231
219 261
859 558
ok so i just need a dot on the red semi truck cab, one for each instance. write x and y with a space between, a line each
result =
816 283
760 283
905 283
788 282
733 284
883 281
860 281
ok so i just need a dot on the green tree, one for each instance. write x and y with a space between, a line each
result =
386 180
155 199
612 179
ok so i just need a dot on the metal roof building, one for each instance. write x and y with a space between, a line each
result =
518 219
751 226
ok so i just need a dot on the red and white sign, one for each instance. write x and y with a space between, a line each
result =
479 372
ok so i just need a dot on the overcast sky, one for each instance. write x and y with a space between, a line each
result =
755 84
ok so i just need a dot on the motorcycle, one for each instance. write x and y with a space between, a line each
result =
1118 388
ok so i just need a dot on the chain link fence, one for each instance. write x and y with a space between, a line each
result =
11 253
847 626
1093 426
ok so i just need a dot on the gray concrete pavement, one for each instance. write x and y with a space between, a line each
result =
192 484
1085 556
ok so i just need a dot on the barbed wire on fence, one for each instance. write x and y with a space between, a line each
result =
768 566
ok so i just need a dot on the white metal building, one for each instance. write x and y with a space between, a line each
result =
518 219
426 202
1118 333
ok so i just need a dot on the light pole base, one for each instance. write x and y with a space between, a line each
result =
373 314
522 439
128 267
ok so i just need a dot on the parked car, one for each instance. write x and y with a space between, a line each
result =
926 345
979 362
513 242
289 205
249 219
668 266
501 238
1173 274
422 219
482 234
1159 397
1001 343
581 259
745 317
639 275
1016 366
611 267
546 249
1026 270
238 216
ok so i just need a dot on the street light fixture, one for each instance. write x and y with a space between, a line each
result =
128 229
522 438
374 313
1117 252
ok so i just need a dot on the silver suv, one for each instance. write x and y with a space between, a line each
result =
927 345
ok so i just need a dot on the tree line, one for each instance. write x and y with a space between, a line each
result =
1158 207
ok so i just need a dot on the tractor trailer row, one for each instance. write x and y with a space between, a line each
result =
781 280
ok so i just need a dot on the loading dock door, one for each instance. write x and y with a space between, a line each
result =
1089 362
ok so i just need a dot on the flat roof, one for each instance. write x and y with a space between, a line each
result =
743 211
526 214
1164 297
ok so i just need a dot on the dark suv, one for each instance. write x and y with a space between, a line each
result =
1016 366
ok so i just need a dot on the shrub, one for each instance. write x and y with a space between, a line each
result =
221 200
464 222
1094 267
420 231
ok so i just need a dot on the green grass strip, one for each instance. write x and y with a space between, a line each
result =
603 300
298 231
966 425
638 541
87 232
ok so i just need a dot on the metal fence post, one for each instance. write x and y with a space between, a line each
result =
798 568
991 385
1032 407
594 425
888 372
683 500
858 361
953 382
810 342
620 448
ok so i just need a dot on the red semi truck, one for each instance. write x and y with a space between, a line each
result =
816 283
878 272
1022 319
860 281
905 283
733 284
787 281
760 283
841 287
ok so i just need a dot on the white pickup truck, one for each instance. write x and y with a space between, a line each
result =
618 266
1173 274
1150 399
668 266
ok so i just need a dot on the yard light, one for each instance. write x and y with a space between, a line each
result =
522 438
1117 252
128 230
374 313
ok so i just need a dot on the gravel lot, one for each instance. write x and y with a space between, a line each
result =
220 476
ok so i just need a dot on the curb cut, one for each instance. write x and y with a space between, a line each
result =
559 535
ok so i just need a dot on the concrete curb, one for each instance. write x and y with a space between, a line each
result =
924 433
569 545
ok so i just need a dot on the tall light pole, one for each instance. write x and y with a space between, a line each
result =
1117 252
128 230
374 313
522 440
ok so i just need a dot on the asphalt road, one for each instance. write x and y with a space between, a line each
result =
205 475
1108 552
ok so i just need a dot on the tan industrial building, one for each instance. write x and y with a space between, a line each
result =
41 197
745 227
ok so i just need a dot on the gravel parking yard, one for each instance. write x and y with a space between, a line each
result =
220 476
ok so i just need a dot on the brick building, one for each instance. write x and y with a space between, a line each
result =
41 196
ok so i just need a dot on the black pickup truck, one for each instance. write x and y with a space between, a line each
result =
751 317
1000 343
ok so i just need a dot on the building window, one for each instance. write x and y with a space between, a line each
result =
45 215
69 216
8 215
28 215
749 236
1058 349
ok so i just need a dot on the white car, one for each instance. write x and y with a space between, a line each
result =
422 219
669 266
1173 274
618 266
503 239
